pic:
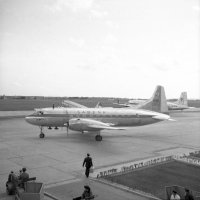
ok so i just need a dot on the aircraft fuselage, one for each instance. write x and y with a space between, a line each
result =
58 117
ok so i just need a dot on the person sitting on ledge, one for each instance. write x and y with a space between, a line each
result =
175 196
188 195
87 194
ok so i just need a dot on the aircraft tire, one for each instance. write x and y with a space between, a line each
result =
42 135
98 138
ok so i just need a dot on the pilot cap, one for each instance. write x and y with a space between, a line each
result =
86 187
24 169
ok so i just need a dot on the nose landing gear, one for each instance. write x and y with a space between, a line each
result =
42 135
98 137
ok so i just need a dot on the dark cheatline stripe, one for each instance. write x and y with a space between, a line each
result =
91 116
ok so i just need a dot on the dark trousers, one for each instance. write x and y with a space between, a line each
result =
87 171
77 198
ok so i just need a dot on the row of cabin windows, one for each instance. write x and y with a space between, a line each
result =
174 106
104 116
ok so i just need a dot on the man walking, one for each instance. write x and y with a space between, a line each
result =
88 164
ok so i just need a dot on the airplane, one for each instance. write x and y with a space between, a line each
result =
158 95
95 119
131 103
151 104
180 104
136 101
71 104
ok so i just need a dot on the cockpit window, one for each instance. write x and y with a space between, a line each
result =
38 113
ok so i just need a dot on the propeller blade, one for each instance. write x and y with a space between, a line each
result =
67 127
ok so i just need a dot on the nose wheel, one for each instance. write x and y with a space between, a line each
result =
42 135
98 138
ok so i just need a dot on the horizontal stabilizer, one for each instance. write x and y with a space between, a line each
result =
173 120
163 117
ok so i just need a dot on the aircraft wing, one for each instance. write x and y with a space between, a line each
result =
105 127
84 124
71 104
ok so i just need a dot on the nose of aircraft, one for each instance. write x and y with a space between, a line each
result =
29 119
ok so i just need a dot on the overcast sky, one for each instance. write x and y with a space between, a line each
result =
112 48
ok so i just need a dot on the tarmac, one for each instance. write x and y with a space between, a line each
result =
57 159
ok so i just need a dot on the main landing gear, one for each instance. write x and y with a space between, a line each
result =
42 135
98 137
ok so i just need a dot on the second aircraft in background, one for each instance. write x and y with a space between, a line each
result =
180 104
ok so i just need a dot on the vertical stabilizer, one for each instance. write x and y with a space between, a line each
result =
99 105
183 99
158 102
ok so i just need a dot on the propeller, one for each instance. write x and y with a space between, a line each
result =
67 126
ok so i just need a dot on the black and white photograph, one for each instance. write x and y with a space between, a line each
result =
99 99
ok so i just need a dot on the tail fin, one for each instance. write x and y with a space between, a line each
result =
99 105
183 99
158 102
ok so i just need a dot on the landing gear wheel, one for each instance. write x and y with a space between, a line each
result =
42 135
98 138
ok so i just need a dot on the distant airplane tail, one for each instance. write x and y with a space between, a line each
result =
157 103
99 105
183 99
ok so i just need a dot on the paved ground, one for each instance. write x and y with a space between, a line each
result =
59 157
102 191
9 114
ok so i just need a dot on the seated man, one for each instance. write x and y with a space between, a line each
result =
24 176
87 194
11 184
175 196
10 176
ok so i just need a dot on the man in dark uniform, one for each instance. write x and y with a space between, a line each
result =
88 164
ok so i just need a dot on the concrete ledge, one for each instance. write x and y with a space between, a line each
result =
50 196
126 189
55 184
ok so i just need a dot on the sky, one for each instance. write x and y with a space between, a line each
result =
99 48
